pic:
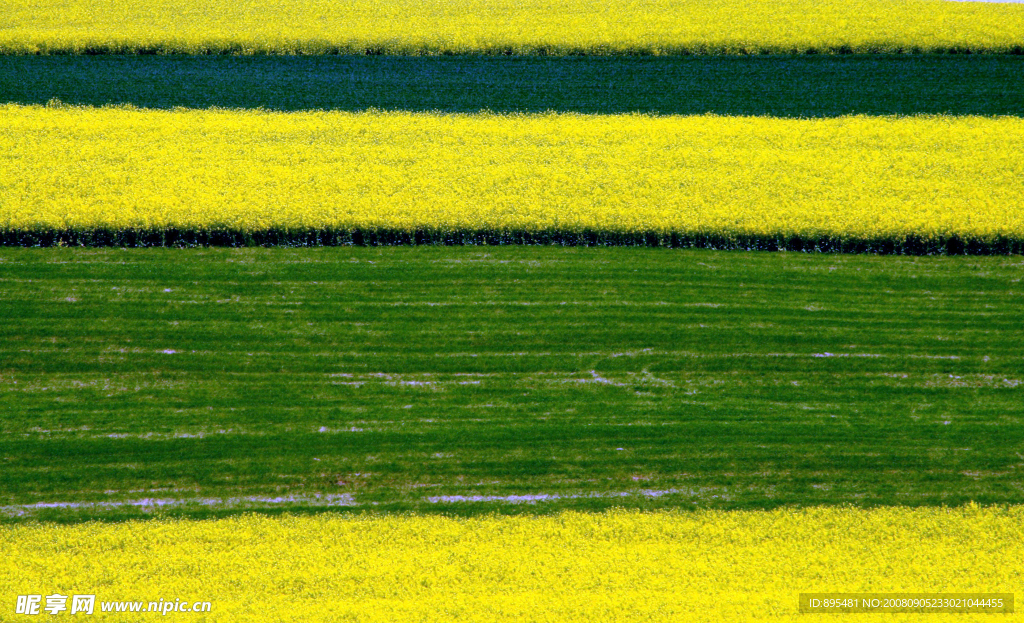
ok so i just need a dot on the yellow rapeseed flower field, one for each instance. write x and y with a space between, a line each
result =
616 566
854 177
501 26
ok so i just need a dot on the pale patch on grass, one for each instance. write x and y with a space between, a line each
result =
154 504
534 498
88 432
135 383
968 381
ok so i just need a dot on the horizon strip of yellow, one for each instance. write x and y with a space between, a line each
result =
510 26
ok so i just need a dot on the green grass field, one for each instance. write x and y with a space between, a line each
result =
418 378
788 86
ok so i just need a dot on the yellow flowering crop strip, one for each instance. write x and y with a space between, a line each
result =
617 566
504 26
68 168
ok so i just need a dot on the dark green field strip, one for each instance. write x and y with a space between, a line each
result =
794 86
399 376
173 237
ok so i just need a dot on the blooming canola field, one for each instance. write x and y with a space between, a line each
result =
225 354
856 177
510 26
614 566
